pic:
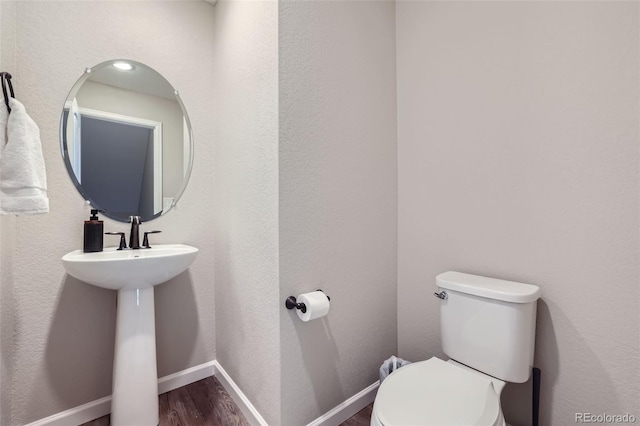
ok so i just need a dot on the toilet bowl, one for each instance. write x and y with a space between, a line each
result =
438 393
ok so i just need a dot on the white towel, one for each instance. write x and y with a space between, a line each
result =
23 180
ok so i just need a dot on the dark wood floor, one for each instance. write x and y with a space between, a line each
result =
362 417
202 403
207 403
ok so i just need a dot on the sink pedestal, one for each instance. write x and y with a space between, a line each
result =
135 375
133 273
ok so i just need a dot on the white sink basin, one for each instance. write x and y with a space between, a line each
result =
130 269
133 273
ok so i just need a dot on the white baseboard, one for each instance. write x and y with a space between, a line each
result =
250 412
185 377
77 415
350 407
334 417
101 407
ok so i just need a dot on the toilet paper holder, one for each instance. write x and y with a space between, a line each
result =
291 303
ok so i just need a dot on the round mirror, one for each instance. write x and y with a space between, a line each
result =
126 140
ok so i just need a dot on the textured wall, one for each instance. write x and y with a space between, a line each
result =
64 329
518 158
7 244
338 192
246 199
7 239
6 318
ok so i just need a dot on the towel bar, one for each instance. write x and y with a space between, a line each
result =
6 80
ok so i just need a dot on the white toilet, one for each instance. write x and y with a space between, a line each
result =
488 329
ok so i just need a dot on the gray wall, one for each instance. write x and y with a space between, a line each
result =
6 286
246 200
7 241
61 352
6 296
518 159
305 187
338 188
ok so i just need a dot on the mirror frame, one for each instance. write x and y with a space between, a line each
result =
65 152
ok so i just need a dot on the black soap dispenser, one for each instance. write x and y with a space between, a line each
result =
93 233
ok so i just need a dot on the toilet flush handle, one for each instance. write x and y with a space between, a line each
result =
442 295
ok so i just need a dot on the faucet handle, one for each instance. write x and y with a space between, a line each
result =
123 242
145 240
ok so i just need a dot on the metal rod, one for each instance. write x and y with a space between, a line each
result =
535 402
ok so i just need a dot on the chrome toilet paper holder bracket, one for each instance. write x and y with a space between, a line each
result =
291 303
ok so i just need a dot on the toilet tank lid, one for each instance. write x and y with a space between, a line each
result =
490 288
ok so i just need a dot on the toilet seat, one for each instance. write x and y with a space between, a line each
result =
438 393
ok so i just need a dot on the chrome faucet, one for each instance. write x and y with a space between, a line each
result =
134 236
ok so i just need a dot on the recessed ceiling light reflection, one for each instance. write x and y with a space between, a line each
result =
123 66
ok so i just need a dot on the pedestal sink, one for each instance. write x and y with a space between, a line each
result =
133 273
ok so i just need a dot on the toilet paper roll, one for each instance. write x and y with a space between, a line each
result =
317 304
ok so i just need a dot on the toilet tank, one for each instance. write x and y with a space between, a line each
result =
489 324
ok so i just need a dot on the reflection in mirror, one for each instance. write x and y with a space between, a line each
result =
126 140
